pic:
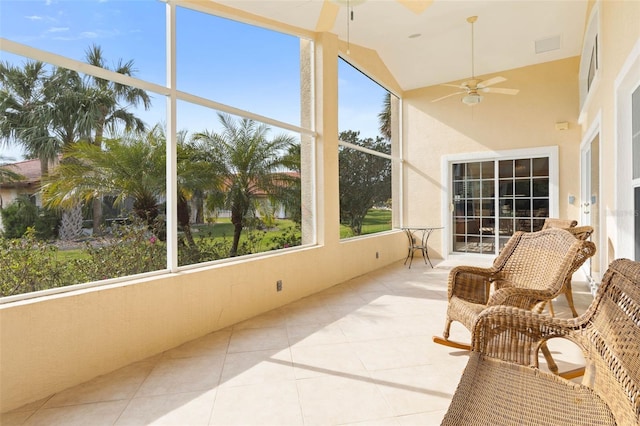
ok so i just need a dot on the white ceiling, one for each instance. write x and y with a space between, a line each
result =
505 33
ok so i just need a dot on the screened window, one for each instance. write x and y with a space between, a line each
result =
364 153
110 137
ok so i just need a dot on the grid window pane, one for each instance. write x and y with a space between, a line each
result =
522 203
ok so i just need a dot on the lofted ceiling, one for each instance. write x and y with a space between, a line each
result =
426 42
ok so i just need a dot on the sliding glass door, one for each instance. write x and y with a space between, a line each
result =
494 198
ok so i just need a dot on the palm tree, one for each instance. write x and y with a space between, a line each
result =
130 167
251 164
384 117
111 102
23 106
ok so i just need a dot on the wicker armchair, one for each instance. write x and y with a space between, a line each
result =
582 233
502 385
559 223
531 269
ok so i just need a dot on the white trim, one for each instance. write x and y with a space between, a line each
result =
365 150
620 222
591 40
546 151
171 148
594 130
83 67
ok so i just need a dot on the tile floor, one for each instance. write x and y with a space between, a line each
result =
359 353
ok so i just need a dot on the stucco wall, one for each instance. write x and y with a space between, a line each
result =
619 34
548 94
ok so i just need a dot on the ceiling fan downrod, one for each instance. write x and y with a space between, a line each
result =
472 20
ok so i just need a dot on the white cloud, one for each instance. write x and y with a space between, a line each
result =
34 18
58 29
88 34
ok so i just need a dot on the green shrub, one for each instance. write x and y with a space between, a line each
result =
28 264
23 214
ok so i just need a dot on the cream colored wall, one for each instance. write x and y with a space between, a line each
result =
619 33
548 94
50 343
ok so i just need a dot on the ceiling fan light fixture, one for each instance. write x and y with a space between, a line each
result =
471 99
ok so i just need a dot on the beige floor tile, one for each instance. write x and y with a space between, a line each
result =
181 409
332 359
315 334
431 418
274 403
212 344
121 384
183 375
248 368
258 339
410 390
310 315
333 400
371 326
274 318
394 352
96 414
389 421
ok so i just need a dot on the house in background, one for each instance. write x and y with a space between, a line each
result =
567 145
29 184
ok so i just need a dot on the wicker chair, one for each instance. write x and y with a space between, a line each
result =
581 232
559 223
502 384
531 269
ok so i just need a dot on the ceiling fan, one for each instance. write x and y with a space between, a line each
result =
331 8
474 86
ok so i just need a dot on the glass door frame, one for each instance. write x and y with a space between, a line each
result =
590 197
622 235
447 194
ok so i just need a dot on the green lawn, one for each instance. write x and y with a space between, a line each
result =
377 220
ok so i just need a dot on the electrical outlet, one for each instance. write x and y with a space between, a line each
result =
279 285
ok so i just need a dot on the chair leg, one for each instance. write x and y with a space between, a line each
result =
553 367
447 327
569 295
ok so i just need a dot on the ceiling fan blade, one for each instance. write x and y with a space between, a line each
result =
457 86
501 90
448 96
328 15
416 6
491 82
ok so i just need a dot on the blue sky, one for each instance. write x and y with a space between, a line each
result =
240 65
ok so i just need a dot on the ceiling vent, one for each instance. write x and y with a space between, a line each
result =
548 44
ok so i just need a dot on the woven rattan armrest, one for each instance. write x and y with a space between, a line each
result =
515 335
470 283
518 297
